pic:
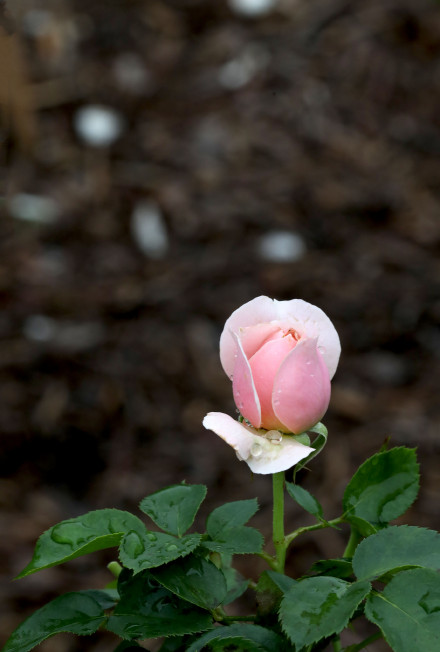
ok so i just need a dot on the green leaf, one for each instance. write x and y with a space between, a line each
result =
81 612
396 547
173 644
230 515
283 582
78 536
253 637
341 568
239 540
225 526
148 610
318 444
194 579
383 487
270 591
318 607
365 528
173 509
139 551
236 585
408 611
304 499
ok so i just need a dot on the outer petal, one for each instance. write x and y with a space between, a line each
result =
310 321
259 310
262 455
301 391
243 388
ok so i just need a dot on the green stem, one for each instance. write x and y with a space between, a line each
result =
311 528
337 644
279 540
365 642
232 619
270 560
353 541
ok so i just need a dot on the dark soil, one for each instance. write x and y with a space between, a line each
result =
109 352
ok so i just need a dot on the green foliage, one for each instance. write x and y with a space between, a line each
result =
142 550
175 584
249 638
362 526
383 487
318 444
194 579
147 610
341 568
79 613
236 585
238 540
270 589
78 536
227 532
304 499
396 547
318 607
230 515
408 611
173 509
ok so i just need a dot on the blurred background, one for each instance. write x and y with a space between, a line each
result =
162 162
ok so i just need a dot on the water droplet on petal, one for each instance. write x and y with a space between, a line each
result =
274 436
256 450
321 349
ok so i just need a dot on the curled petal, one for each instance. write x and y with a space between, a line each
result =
259 310
265 365
243 388
253 338
301 390
262 454
311 322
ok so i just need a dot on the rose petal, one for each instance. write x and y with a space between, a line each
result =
253 337
259 310
243 388
310 321
301 390
261 454
264 366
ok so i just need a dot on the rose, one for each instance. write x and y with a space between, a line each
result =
281 356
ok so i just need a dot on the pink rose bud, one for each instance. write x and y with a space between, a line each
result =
280 356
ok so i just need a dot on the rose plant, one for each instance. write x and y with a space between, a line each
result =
181 586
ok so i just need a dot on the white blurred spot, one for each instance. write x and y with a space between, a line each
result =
131 74
149 230
65 335
39 328
252 7
97 125
33 208
281 247
240 71
37 22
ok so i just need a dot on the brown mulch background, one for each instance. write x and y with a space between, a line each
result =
318 118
